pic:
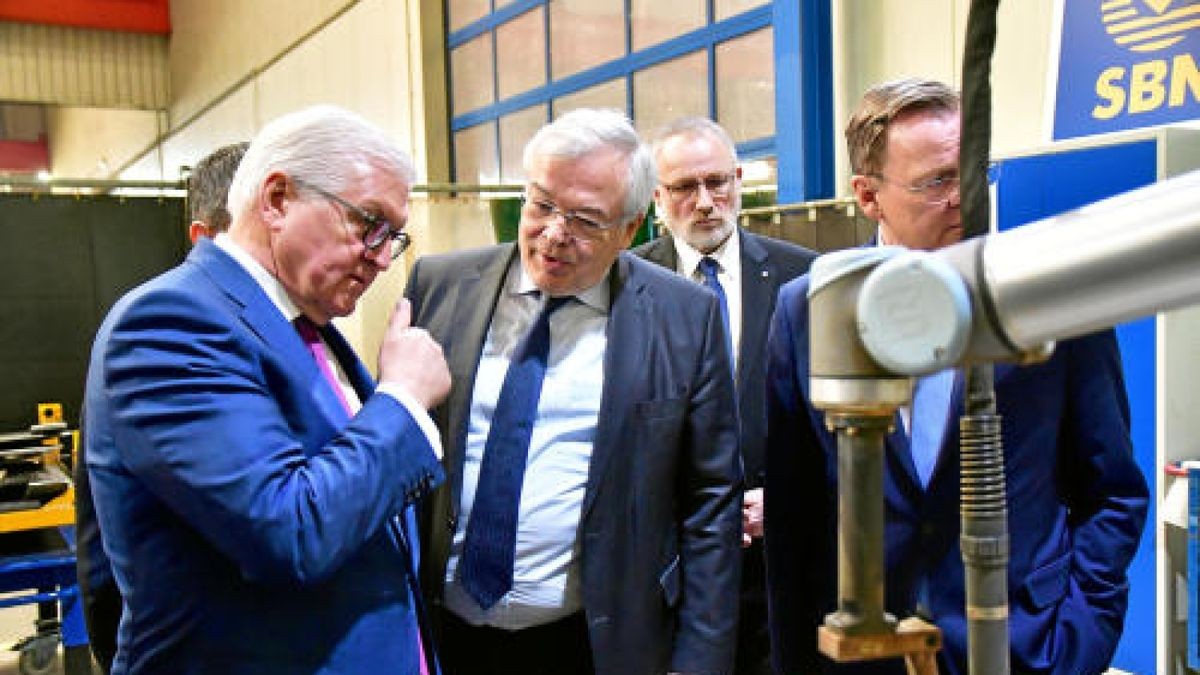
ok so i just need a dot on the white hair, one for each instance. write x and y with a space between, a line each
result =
322 145
585 130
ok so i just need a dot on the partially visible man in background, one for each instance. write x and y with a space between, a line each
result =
1076 499
207 192
698 198
247 471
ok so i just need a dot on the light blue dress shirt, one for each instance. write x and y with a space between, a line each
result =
546 567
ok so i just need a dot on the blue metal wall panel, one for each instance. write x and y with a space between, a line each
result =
804 100
1031 188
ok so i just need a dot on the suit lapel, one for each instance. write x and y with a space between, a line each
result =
264 319
759 285
343 353
628 335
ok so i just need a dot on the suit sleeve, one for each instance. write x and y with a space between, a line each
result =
800 524
210 428
710 494
1107 499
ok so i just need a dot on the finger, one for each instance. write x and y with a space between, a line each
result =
402 312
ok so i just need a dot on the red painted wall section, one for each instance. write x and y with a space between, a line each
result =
138 16
24 156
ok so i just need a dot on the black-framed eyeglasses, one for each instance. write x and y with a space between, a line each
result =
580 225
717 185
934 190
373 229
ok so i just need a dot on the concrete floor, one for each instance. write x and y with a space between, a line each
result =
17 623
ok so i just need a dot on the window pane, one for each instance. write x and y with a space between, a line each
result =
673 89
723 9
610 94
746 86
471 74
655 21
515 131
475 155
521 53
585 33
462 13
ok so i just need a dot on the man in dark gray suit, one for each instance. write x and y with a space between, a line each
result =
698 198
618 554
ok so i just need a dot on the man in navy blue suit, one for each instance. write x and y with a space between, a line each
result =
247 472
1077 502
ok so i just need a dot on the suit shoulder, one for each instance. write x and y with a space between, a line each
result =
456 259
794 292
785 251
652 248
661 279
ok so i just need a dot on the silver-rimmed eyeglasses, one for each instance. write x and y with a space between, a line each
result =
717 184
374 230
579 225
934 190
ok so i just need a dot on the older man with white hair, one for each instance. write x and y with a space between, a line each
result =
250 477
591 519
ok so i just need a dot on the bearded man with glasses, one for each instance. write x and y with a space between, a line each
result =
251 480
697 199
590 521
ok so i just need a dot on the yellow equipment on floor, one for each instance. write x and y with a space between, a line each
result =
35 468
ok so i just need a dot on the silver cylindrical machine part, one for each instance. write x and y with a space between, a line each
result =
1115 260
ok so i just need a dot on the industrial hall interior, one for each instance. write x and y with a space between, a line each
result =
599 337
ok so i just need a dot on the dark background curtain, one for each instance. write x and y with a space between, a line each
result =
64 261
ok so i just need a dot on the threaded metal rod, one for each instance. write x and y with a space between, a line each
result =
984 543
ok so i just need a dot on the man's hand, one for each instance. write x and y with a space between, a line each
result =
412 359
752 515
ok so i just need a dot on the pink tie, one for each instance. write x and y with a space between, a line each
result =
312 339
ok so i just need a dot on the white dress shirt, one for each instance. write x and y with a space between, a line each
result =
729 258
546 565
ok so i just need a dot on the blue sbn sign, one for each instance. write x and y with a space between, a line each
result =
1126 64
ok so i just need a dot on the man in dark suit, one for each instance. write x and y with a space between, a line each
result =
1076 500
697 198
614 548
247 471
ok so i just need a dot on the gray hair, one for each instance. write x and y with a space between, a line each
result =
322 145
586 130
692 127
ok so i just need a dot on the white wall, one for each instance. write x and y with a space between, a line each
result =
878 40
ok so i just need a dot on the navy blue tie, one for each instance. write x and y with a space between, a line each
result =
709 268
486 568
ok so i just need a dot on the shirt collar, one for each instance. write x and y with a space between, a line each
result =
597 296
725 254
269 284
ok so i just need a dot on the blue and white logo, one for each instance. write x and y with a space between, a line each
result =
1126 64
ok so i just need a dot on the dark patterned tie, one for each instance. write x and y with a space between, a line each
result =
486 568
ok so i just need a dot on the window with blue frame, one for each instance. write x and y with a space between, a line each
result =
516 64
